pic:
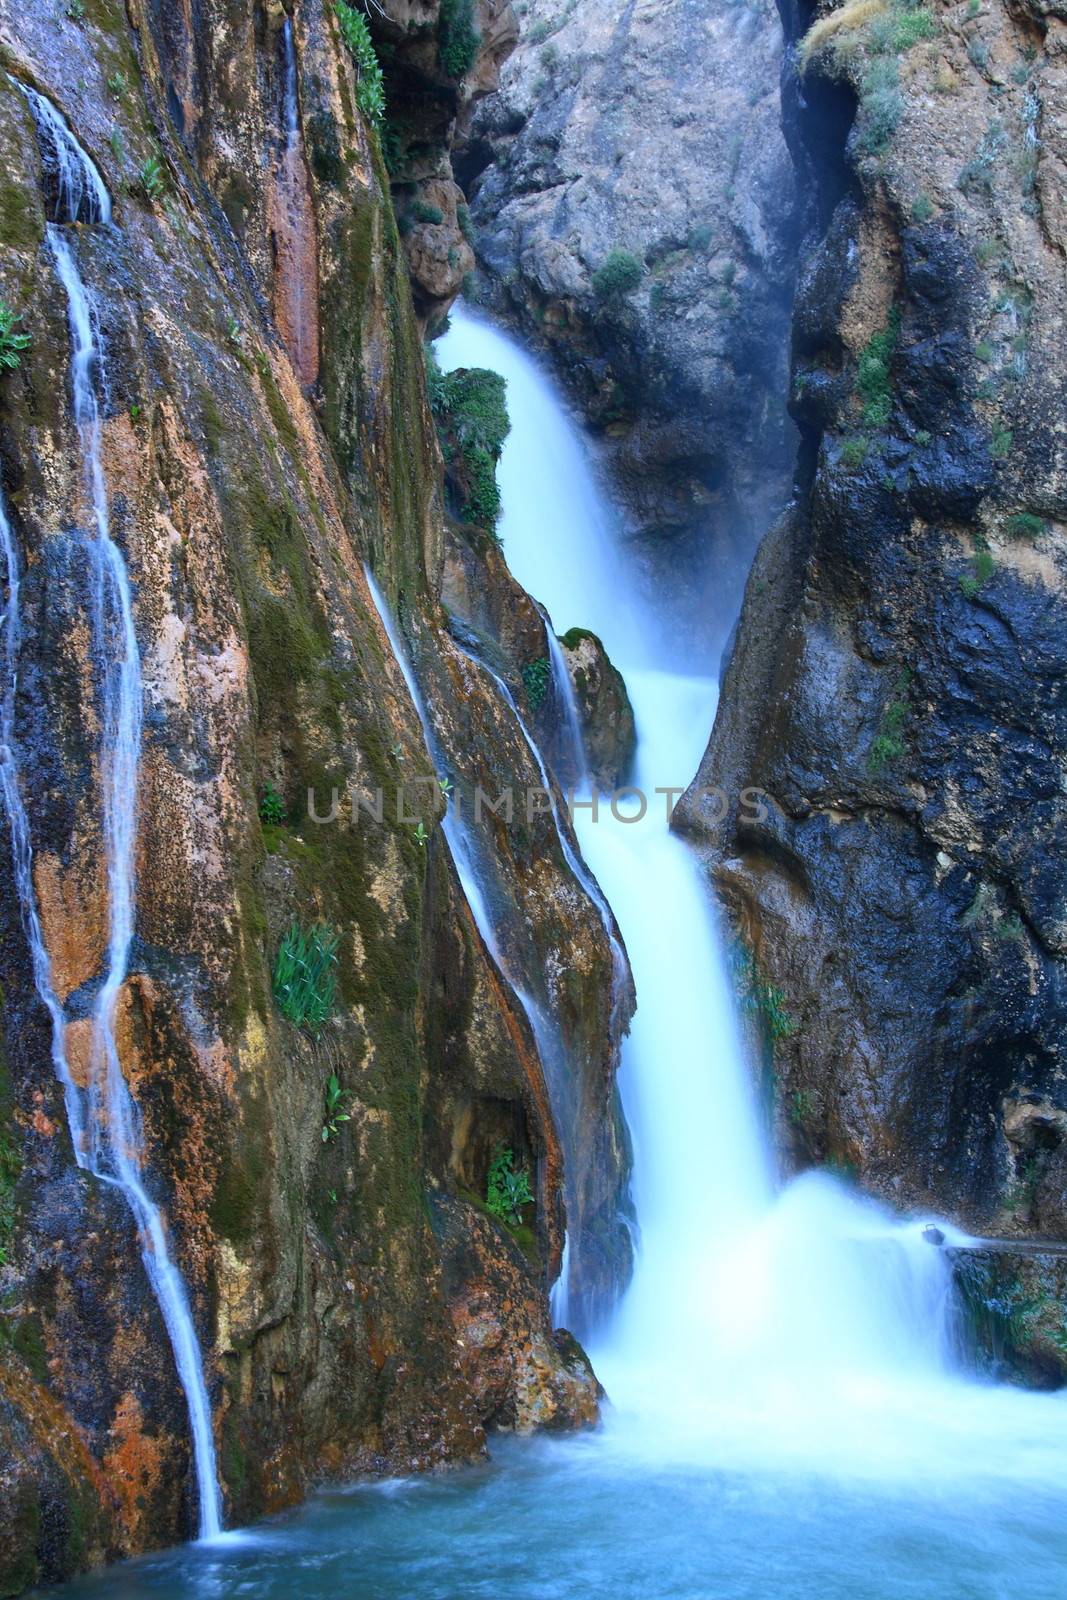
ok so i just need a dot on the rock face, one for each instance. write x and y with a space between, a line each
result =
265 432
896 692
438 59
1012 1299
633 196
604 710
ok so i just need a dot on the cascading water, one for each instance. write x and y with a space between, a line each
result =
463 846
106 1130
786 1424
74 188
809 1314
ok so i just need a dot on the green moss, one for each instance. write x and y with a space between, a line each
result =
761 998
210 422
21 218
472 419
324 148
235 1200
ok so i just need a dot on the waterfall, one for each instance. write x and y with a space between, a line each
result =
292 222
72 181
108 1137
804 1307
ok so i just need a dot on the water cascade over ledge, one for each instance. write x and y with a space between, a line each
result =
801 1323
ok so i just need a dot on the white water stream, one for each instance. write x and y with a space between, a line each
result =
802 1323
111 1143
104 1121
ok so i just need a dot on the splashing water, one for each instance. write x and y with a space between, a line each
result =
107 1135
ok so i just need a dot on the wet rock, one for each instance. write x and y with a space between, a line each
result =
246 499
891 718
604 711
1012 1299
638 231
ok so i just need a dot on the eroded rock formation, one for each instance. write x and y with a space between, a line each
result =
265 432
896 690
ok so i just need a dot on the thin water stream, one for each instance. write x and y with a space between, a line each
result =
103 1118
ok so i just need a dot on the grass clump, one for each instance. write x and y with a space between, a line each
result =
881 105
1001 442
888 743
12 343
458 38
536 677
472 418
844 21
873 381
1024 525
619 275
982 569
370 89
854 451
507 1188
304 981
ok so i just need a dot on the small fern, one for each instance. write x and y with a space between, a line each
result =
12 344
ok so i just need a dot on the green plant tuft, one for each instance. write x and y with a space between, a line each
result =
304 980
854 451
458 38
12 344
370 88
888 743
272 807
507 1190
873 380
472 418
1024 525
618 276
336 1104
152 179
536 677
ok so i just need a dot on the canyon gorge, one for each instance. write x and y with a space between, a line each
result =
426 429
